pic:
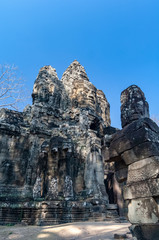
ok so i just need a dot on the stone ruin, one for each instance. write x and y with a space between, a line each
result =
61 161
134 150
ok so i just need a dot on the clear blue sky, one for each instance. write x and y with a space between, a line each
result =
117 41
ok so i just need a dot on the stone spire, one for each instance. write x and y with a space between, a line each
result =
45 84
75 71
133 105
83 94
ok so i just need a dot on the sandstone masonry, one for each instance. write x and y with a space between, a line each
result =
52 168
61 161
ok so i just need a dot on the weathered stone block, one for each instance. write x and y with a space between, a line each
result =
130 141
143 169
120 236
146 188
142 151
143 210
146 231
138 140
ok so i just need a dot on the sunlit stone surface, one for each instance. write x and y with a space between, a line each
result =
61 161
51 164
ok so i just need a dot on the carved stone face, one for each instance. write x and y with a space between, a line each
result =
133 105
44 85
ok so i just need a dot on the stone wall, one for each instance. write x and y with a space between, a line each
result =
52 151
135 151
61 161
